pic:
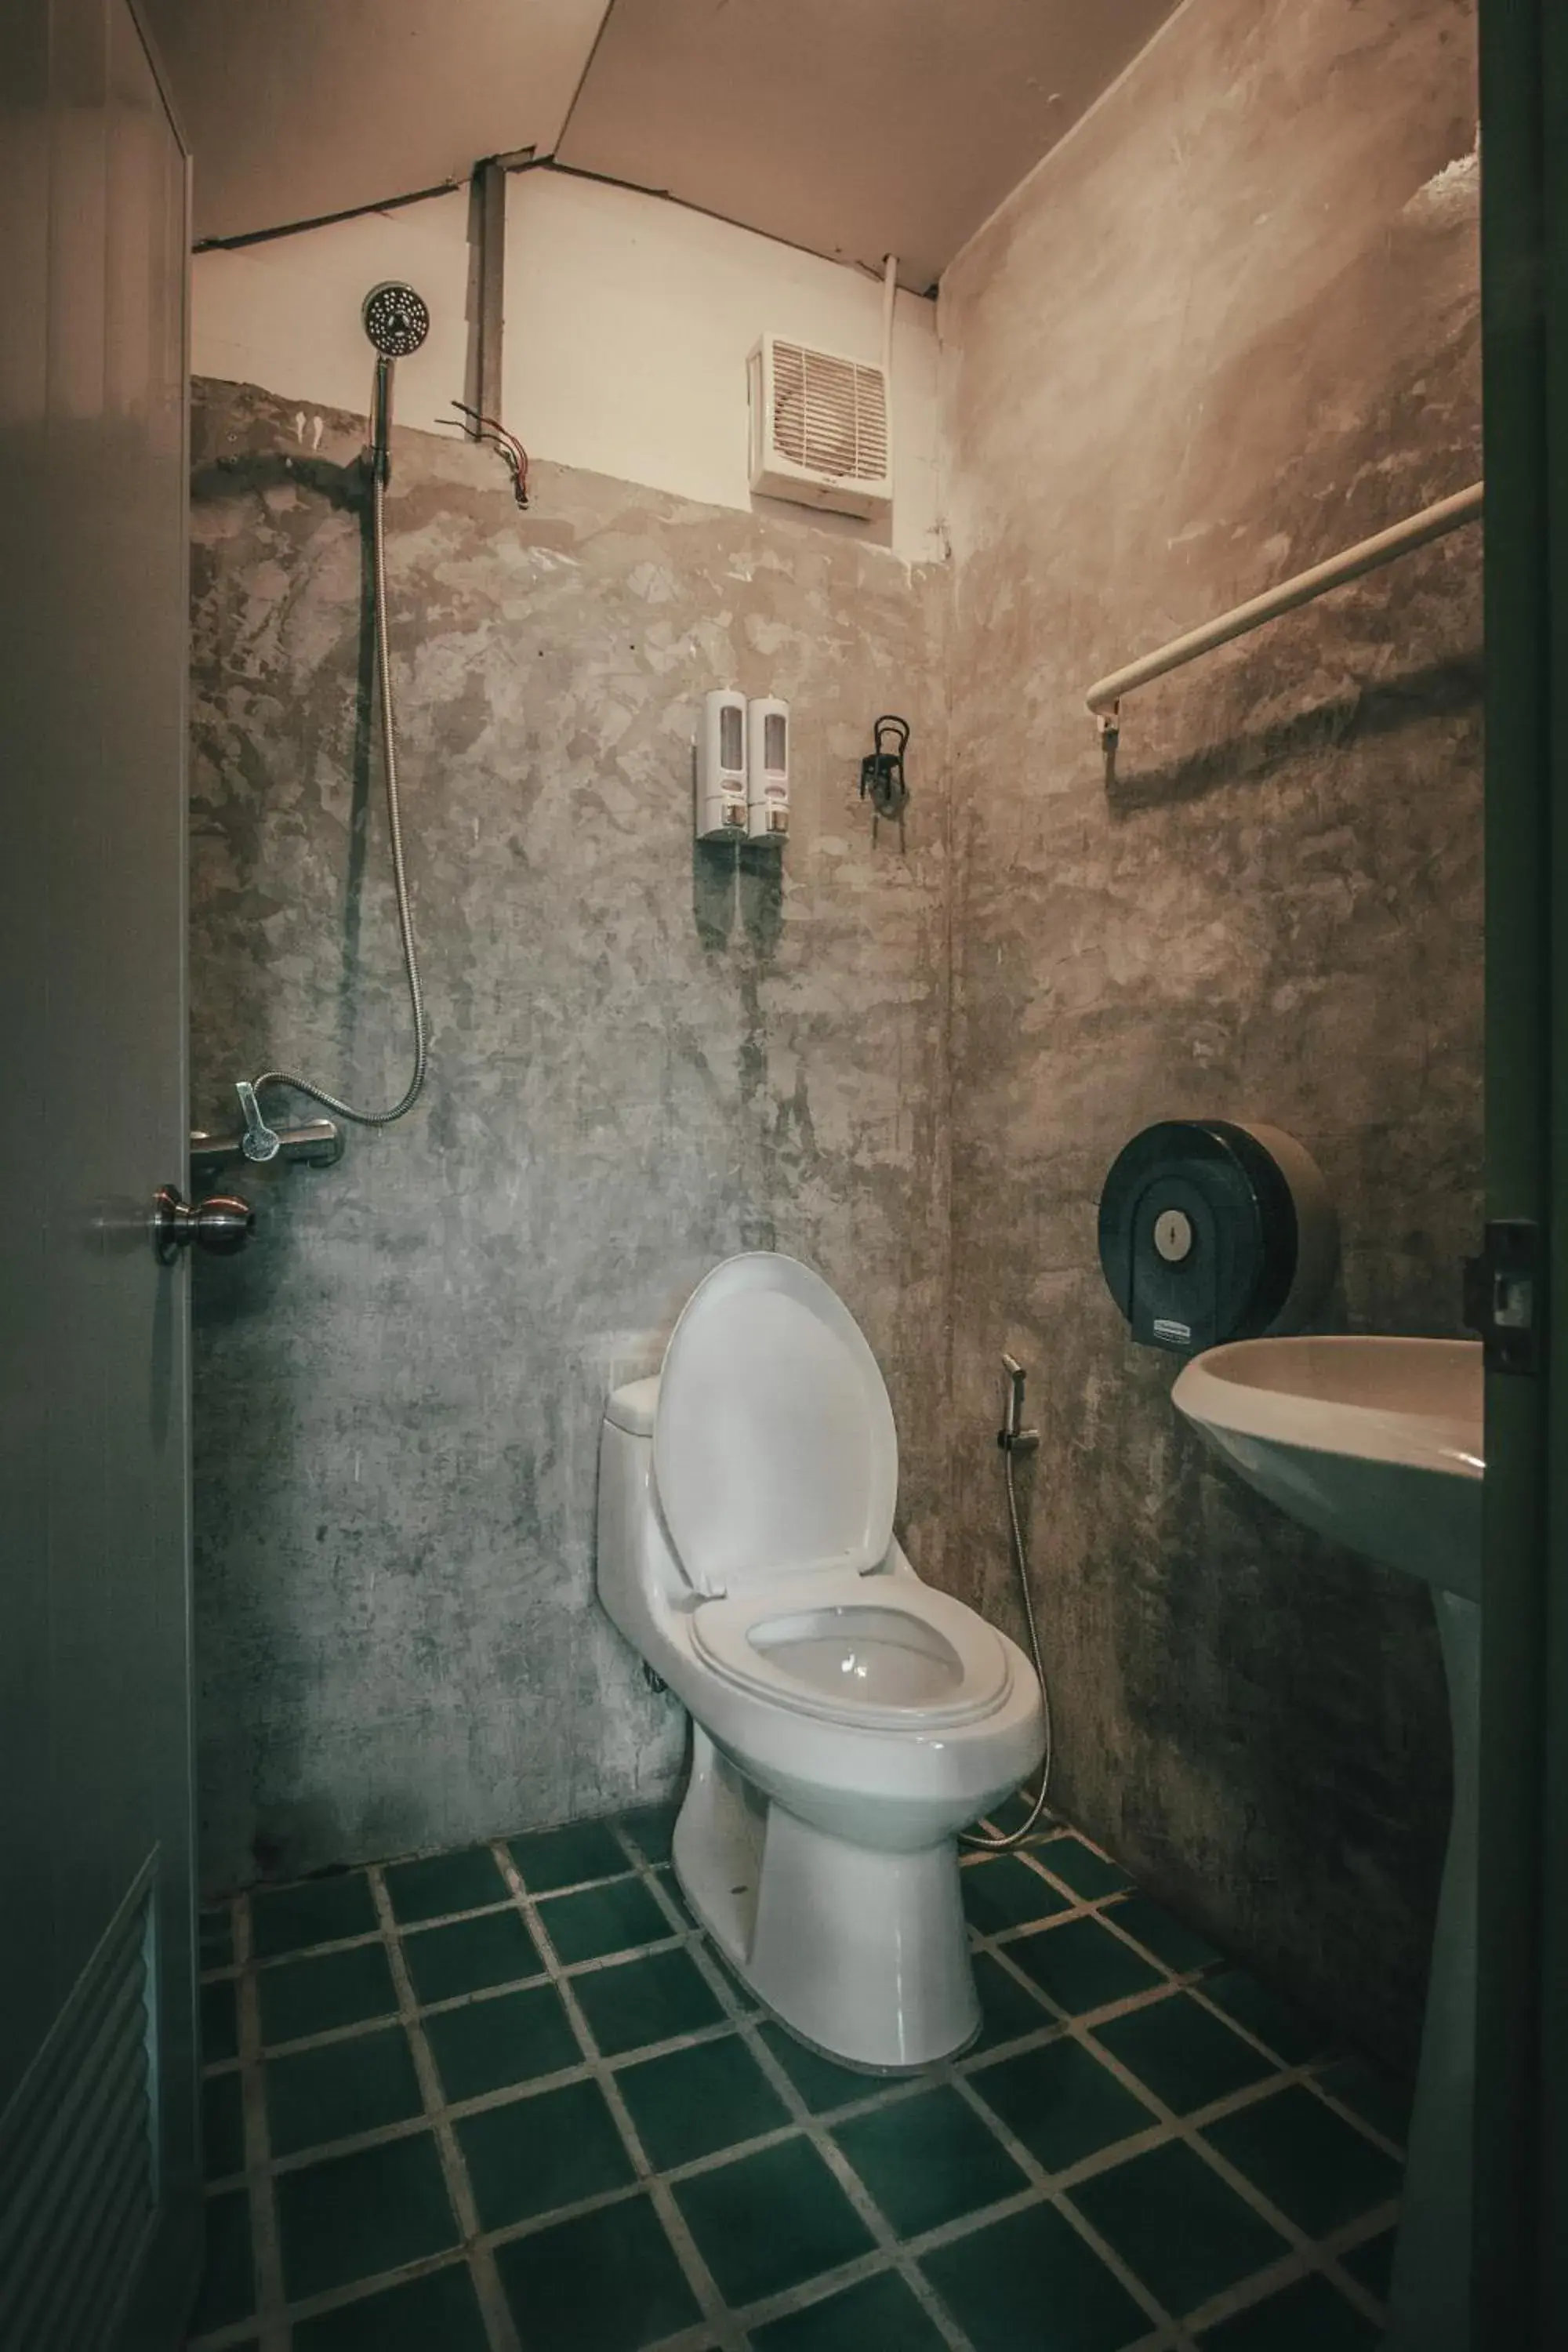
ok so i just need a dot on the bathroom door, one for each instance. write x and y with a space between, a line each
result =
99 2173
1522 2046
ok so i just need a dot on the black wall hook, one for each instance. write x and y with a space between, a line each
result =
882 769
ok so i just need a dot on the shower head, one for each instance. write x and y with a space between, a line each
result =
396 318
397 322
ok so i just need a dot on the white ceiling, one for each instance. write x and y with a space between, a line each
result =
297 107
853 127
857 128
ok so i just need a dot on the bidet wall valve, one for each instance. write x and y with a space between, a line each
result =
1013 1437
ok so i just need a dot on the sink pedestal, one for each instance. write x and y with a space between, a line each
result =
1429 2298
1378 1444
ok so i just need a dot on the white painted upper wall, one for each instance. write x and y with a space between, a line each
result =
286 315
628 320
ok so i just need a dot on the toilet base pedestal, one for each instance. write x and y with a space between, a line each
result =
863 1954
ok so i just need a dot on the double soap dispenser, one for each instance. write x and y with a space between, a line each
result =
740 777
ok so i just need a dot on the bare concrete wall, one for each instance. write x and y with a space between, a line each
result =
643 1058
1228 328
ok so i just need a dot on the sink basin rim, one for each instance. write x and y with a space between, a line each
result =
1213 1391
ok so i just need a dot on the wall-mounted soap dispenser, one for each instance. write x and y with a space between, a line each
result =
719 767
767 768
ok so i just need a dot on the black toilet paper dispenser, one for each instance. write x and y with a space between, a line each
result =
1211 1231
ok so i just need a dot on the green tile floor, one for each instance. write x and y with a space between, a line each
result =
507 2100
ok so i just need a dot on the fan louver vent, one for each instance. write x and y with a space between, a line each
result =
829 414
77 2172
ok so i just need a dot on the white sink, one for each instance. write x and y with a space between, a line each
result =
1376 1442
1379 1442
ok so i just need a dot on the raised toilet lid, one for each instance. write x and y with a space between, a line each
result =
774 1447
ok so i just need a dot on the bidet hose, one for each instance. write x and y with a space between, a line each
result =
1003 1843
394 827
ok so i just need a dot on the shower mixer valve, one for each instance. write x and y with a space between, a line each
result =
258 1141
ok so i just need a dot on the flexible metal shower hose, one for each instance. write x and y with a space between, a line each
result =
1002 1843
399 875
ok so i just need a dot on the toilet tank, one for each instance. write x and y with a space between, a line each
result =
625 1511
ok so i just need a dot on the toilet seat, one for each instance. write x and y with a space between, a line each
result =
776 1465
878 1652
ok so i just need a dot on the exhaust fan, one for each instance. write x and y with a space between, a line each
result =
819 429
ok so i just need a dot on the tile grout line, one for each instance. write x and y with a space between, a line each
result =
998 1944
561 2078
1106 1907
1165 2128
712 2304
888 2252
686 1933
1302 2069
265 2256
494 2310
1049 2187
1188 2131
1283 2075
371 1936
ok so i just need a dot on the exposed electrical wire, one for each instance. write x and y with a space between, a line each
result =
488 428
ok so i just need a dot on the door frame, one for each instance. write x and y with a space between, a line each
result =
156 2317
1520 2151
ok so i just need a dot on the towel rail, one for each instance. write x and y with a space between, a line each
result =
1433 522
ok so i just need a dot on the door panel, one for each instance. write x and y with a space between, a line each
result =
99 2171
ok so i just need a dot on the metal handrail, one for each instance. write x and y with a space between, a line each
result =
1415 530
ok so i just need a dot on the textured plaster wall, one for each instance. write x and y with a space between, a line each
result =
1229 327
643 1057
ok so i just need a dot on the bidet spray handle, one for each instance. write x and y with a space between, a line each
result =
1013 1437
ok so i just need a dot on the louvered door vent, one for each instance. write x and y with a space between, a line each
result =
79 2186
819 429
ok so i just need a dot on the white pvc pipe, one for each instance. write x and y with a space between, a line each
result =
1415 530
889 294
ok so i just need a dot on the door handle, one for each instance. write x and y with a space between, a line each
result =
220 1224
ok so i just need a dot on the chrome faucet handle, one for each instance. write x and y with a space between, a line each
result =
258 1141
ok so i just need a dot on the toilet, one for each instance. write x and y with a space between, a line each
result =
847 1720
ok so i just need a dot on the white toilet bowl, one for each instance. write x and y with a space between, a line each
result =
847 1719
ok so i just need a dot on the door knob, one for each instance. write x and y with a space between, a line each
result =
220 1224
